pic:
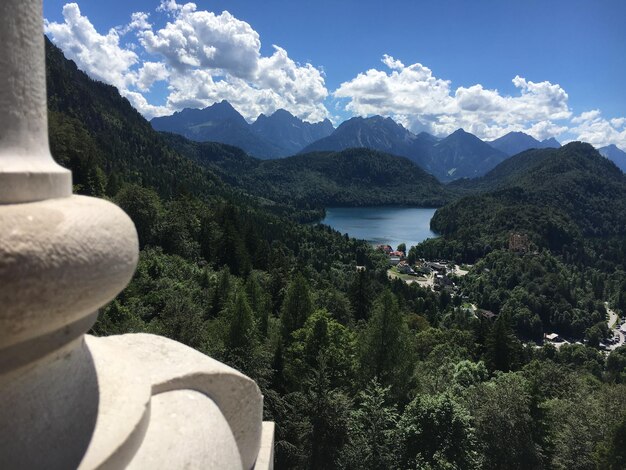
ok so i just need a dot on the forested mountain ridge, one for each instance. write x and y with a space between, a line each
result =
358 371
557 196
106 141
566 208
353 177
518 168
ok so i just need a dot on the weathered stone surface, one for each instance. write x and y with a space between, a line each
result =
265 459
27 170
186 430
148 366
60 260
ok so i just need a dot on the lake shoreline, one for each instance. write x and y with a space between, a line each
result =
383 225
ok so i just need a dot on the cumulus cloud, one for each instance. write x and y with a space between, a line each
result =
422 101
203 57
591 127
100 55
202 39
149 73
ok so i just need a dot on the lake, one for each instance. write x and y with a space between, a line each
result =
383 225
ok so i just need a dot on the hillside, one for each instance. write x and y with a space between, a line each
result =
563 199
106 142
356 177
505 174
353 177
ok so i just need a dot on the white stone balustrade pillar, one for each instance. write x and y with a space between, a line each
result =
69 400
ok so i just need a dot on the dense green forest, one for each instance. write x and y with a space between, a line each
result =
570 204
359 371
352 177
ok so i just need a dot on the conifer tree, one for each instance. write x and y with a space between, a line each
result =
385 345
502 348
221 292
241 331
360 295
372 431
297 307
259 302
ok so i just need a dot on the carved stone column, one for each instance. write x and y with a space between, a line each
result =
68 400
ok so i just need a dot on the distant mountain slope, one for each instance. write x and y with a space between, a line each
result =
460 155
557 196
217 123
506 173
516 142
353 177
615 154
376 133
288 132
278 135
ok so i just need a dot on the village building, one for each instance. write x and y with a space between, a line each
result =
439 267
394 260
553 337
487 314
405 268
519 243
387 249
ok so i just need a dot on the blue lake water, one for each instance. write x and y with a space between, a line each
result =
383 225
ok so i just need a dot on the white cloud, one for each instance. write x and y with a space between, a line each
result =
422 101
139 20
591 127
204 57
101 56
149 73
202 39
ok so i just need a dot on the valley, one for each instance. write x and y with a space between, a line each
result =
354 365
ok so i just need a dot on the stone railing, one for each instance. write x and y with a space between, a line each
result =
67 399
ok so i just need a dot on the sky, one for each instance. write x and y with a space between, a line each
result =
550 68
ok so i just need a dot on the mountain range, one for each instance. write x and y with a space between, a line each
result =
459 155
278 135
